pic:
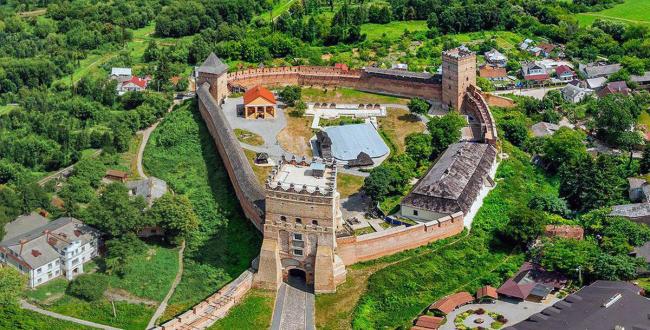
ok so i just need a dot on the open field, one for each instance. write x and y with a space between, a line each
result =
248 137
505 39
348 95
191 165
295 137
631 11
261 172
253 312
348 184
398 124
392 30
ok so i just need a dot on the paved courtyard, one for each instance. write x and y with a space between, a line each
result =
513 310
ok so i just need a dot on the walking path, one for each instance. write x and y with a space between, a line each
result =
294 309
28 306
145 138
163 304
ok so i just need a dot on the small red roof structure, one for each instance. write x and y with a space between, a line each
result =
451 302
428 322
562 69
257 92
546 47
116 175
342 66
564 231
487 292
537 77
488 71
528 278
614 87
142 83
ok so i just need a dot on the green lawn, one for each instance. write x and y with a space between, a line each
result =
393 30
277 10
147 277
348 95
398 293
505 39
253 312
24 319
631 11
182 152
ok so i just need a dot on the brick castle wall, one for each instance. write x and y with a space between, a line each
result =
353 249
498 101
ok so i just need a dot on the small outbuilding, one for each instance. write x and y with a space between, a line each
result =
428 322
261 158
487 294
363 159
259 103
449 303
116 175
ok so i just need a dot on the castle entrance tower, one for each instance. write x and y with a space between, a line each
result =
214 72
302 216
458 73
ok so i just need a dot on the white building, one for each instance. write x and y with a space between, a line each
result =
45 250
575 94
121 74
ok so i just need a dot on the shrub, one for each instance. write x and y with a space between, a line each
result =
479 311
89 287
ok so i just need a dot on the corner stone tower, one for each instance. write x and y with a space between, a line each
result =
458 73
214 72
302 216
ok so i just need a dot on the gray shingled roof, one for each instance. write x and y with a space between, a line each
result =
213 65
454 181
39 249
150 188
586 309
599 70
23 224
636 210
543 129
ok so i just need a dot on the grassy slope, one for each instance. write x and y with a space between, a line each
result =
33 320
227 242
397 294
253 312
631 11
158 267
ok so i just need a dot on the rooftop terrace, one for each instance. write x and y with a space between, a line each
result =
304 177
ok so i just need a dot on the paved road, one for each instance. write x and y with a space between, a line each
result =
163 304
145 138
28 306
294 309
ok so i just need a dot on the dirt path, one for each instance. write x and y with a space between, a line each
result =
123 295
28 306
163 304
145 138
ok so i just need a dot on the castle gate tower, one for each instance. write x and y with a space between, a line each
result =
215 72
458 73
302 216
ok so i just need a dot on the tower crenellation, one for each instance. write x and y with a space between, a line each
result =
458 73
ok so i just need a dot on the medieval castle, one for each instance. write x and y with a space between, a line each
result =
298 208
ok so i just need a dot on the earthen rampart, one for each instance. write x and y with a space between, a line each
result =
353 249
247 188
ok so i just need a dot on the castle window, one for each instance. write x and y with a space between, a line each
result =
297 252
297 236
415 212
283 218
298 220
314 222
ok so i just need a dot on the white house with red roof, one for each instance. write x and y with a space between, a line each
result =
564 73
135 84
533 71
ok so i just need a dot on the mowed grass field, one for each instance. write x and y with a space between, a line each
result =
393 30
631 11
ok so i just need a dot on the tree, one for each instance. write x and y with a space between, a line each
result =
644 163
615 268
588 184
614 115
152 52
114 212
515 130
418 106
566 255
11 287
444 131
89 287
121 251
174 213
563 147
418 146
524 225
91 170
549 203
290 95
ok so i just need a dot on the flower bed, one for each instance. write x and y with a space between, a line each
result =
479 319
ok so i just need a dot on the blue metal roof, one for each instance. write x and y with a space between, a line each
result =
349 140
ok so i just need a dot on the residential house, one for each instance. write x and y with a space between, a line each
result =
614 87
535 51
135 84
532 282
495 58
532 71
116 175
493 73
546 48
44 250
543 128
598 69
524 45
603 305
574 94
121 74
564 73
643 80
596 83
639 209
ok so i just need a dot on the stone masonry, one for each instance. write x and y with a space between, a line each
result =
458 73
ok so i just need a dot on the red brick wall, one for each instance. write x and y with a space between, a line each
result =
353 249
